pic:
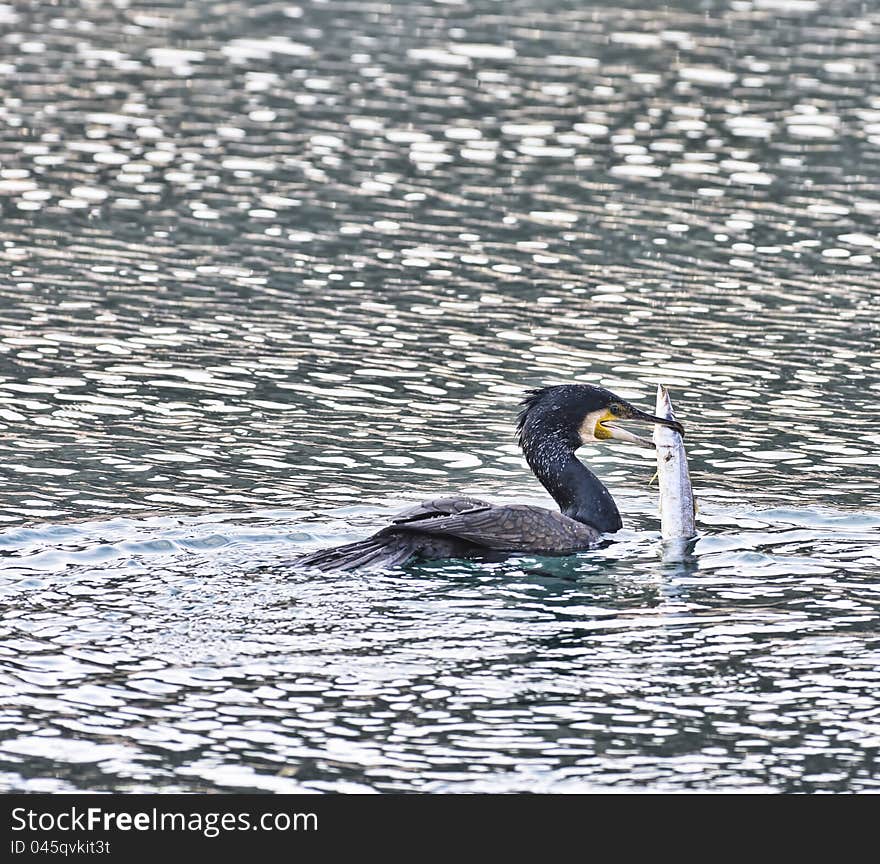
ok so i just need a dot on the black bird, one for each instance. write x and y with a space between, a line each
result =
552 424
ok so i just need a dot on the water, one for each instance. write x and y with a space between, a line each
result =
272 272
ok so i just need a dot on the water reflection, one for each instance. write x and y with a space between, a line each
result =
267 281
754 670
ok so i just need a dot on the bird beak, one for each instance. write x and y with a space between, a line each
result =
608 426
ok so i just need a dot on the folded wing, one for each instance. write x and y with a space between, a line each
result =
510 528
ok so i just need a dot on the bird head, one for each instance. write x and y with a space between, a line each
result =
582 414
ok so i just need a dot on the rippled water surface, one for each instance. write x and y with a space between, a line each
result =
272 271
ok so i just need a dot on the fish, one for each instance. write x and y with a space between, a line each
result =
677 504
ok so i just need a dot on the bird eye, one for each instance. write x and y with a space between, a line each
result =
615 408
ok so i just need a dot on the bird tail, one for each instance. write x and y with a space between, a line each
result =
376 552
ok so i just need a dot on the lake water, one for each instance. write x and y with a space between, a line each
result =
273 271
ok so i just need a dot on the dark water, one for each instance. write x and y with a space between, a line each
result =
271 271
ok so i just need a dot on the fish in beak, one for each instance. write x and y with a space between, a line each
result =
607 424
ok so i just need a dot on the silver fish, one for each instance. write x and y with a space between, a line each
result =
677 505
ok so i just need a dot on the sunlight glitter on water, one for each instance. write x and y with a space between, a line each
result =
267 281
603 645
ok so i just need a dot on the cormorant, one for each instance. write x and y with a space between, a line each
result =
553 422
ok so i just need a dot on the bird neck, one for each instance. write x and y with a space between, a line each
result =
579 493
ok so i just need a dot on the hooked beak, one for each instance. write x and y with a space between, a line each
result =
608 426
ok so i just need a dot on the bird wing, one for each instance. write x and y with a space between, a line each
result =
511 528
440 507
